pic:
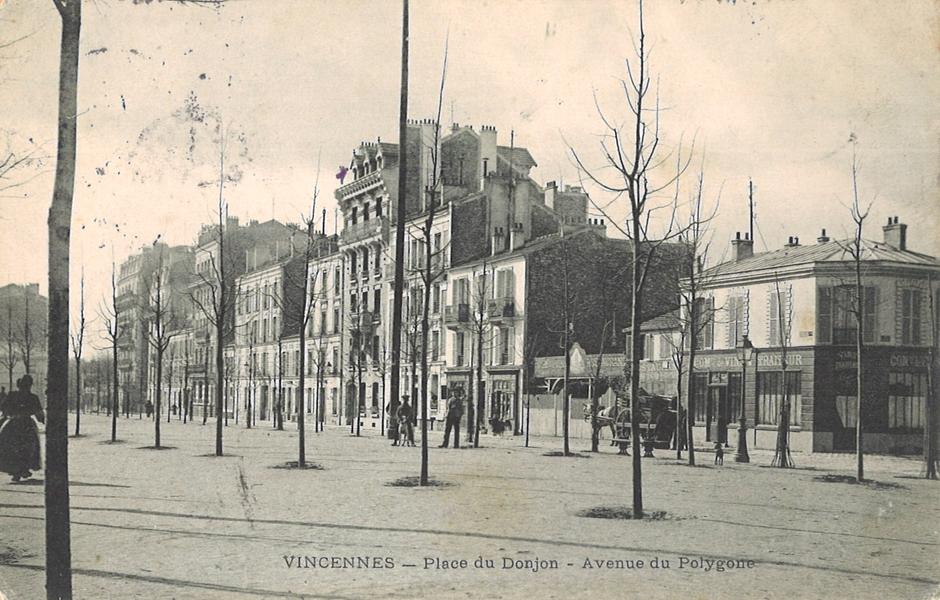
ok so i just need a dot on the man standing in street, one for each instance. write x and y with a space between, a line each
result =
454 412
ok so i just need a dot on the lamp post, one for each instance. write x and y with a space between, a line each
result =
745 353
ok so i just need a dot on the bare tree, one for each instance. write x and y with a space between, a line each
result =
480 330
220 299
78 339
782 312
160 333
110 315
631 154
299 299
26 340
357 358
10 357
696 315
855 248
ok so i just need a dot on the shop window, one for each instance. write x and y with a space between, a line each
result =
907 399
771 393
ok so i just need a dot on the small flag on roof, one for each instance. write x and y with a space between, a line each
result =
341 175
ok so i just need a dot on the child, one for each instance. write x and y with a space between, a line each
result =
719 454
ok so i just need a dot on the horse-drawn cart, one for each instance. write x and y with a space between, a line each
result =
657 422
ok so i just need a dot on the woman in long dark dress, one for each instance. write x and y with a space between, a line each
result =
19 437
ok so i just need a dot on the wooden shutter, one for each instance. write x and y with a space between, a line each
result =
824 315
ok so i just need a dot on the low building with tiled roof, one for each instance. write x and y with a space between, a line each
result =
796 305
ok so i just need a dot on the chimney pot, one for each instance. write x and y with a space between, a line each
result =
895 234
741 249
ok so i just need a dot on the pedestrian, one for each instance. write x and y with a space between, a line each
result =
719 454
149 408
392 423
19 437
454 413
405 423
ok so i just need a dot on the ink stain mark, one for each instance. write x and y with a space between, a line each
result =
101 50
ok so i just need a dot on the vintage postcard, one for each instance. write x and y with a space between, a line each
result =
469 299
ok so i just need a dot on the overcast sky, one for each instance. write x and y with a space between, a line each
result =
769 91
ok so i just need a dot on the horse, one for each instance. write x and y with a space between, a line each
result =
606 417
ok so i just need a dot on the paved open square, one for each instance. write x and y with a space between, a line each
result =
180 523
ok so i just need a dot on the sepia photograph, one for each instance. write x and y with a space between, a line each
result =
496 299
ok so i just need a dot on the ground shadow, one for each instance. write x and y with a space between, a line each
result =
414 481
110 442
621 512
292 465
213 455
869 483
559 453
157 448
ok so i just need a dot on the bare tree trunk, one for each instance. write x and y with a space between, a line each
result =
859 343
157 399
635 312
58 535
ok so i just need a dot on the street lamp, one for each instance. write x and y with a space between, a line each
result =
745 353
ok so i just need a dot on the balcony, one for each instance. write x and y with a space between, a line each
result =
456 315
366 229
501 308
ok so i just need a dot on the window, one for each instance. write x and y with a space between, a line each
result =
505 346
770 395
910 317
779 311
375 350
435 345
365 300
459 349
355 212
505 283
737 322
436 298
336 280
907 399
365 212
274 331
648 347
323 322
704 323
665 346
335 320
836 319
378 207
353 304
377 301
461 294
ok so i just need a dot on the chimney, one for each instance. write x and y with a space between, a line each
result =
741 248
516 237
823 238
792 242
550 188
487 151
497 242
895 234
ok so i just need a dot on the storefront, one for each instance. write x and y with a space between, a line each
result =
717 393
502 406
894 399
